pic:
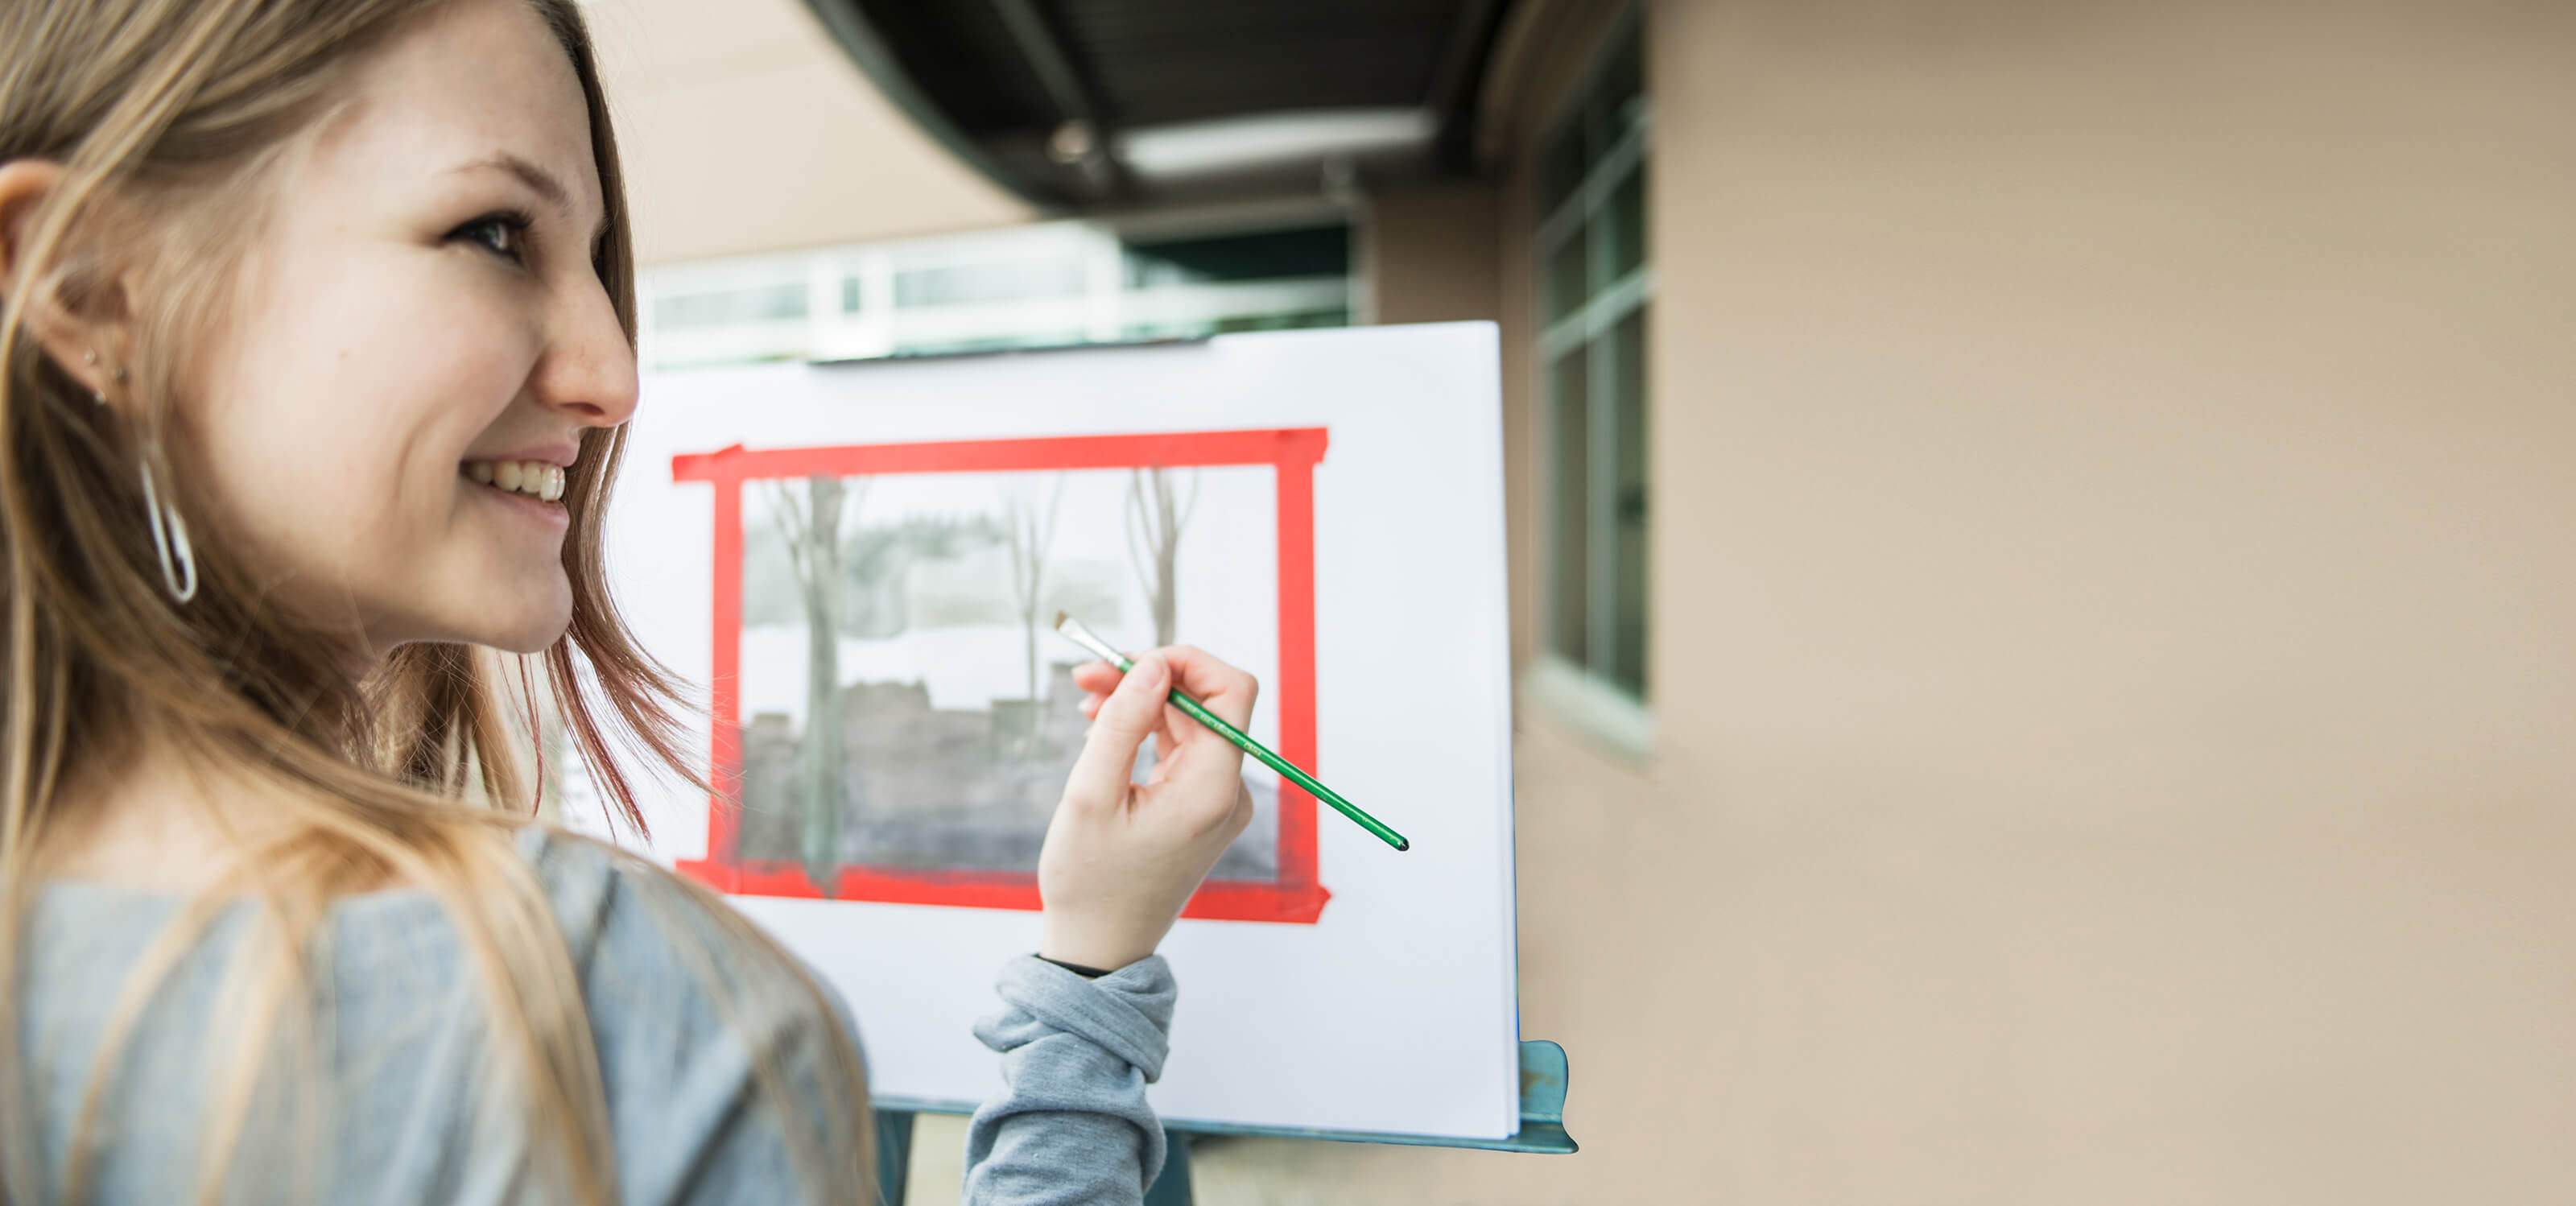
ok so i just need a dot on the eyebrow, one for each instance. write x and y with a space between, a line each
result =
538 180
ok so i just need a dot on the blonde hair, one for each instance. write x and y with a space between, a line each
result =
171 118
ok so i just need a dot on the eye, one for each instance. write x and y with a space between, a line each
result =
503 234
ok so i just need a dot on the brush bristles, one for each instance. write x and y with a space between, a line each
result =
1060 618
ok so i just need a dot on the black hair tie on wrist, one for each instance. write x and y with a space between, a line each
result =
1087 973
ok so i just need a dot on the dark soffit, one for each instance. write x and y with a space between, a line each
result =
995 80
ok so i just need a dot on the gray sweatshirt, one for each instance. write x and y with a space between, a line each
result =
415 1114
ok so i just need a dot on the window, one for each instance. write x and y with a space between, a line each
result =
1044 285
983 283
768 303
1594 284
1272 280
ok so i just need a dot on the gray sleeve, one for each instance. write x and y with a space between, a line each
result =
1073 1126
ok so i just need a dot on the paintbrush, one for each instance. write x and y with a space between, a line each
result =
1074 631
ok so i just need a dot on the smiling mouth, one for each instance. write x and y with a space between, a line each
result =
535 479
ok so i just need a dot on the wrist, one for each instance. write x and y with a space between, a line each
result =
1105 952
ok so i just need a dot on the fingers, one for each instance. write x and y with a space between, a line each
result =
1119 724
1098 678
1227 691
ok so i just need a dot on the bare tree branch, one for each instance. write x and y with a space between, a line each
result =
783 508
1152 525
812 533
1032 530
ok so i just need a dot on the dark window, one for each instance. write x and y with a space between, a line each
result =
1266 255
1595 285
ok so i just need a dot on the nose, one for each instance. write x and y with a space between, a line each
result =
588 373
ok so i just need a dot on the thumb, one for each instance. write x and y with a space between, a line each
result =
1125 719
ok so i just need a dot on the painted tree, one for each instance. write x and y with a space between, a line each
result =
1029 527
1155 517
810 526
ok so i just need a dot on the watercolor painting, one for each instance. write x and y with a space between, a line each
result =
905 716
946 742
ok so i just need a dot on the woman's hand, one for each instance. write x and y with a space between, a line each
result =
1121 858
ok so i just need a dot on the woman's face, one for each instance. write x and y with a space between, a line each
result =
421 326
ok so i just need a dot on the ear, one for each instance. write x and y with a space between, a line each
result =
75 311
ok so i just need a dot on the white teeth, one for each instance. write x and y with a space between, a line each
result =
536 479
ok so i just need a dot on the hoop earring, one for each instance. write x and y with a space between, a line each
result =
170 540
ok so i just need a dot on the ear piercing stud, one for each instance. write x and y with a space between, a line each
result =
89 357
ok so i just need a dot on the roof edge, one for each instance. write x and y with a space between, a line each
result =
859 40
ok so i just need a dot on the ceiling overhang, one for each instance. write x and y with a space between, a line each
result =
1120 105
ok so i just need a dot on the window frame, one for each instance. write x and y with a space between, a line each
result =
1586 695
1108 308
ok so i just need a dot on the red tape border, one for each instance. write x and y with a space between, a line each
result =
1295 897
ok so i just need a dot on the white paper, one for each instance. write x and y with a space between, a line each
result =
1393 1010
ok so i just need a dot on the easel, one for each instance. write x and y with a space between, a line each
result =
1543 1074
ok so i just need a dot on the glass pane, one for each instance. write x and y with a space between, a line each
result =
1569 459
1611 105
1622 84
767 303
1629 519
1627 219
1265 255
1560 168
849 295
1567 289
975 284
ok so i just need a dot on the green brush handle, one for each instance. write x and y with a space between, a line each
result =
1073 630
1198 711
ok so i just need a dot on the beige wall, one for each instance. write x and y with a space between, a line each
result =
747 130
1427 255
2115 495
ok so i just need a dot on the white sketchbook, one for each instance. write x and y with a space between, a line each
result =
862 561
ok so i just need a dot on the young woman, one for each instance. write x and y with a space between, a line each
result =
318 340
